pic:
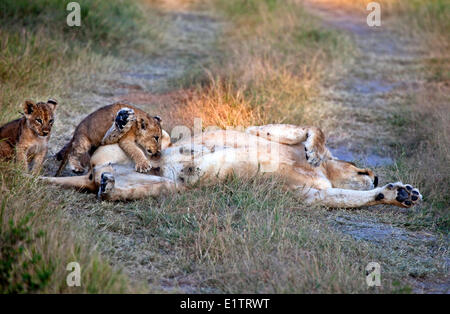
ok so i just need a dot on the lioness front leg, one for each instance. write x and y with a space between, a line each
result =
133 187
396 194
312 138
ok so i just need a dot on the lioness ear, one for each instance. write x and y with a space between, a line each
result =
157 118
143 124
28 107
53 103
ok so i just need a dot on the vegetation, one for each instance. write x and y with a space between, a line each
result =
40 57
269 64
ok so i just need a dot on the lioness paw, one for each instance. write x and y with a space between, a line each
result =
399 194
315 150
107 184
313 157
143 166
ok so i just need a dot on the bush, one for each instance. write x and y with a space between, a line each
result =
21 271
106 23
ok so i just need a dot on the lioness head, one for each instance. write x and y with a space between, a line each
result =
149 135
40 116
345 175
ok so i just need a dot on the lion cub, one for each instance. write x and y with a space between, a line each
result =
27 138
142 138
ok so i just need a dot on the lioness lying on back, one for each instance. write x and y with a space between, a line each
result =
297 155
144 131
27 138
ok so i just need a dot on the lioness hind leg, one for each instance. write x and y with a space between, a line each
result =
313 139
315 148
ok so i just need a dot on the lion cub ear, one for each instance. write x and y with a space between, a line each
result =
157 119
53 103
28 107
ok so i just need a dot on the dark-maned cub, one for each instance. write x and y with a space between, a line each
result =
26 138
143 138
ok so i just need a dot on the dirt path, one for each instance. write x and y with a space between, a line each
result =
376 82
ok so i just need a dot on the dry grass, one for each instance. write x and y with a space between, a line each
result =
273 58
216 105
239 235
46 241
424 131
424 154
425 19
250 236
38 62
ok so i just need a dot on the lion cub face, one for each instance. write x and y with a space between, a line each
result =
40 116
149 135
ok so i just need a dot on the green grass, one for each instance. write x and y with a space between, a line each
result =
39 240
431 15
274 58
236 236
41 57
239 236
103 23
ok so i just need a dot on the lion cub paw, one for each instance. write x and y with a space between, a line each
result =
124 118
76 166
399 194
143 166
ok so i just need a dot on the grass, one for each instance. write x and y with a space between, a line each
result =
427 20
424 148
274 56
239 236
424 155
41 57
104 23
270 72
247 236
242 235
38 241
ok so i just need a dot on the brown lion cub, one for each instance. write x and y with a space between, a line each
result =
27 138
142 139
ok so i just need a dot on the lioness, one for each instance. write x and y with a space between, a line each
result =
142 130
27 138
303 162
